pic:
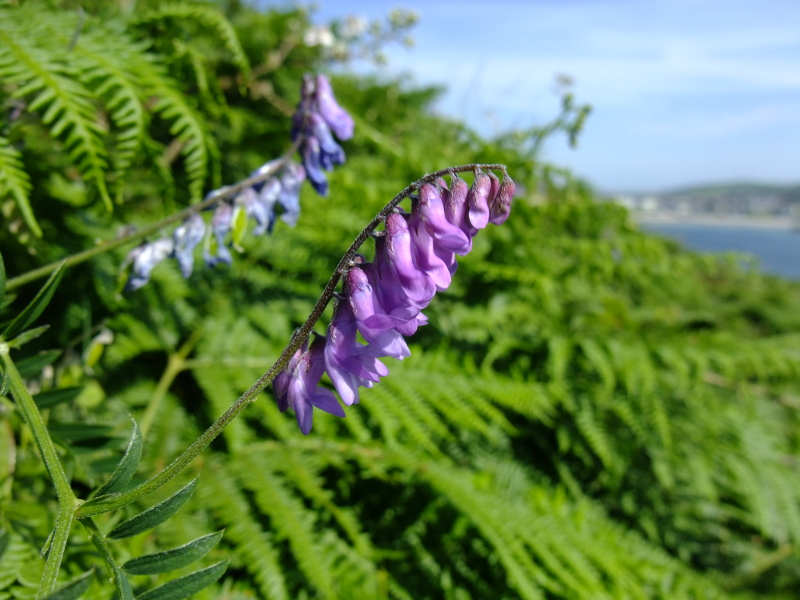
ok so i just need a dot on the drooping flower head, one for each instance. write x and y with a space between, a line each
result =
381 300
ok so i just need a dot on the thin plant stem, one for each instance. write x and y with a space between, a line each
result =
66 499
299 336
175 364
99 541
209 200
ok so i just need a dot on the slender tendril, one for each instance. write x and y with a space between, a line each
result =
300 335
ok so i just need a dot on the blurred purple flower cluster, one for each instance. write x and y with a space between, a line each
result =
317 118
318 114
415 256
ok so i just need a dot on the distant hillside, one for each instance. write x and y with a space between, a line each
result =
724 198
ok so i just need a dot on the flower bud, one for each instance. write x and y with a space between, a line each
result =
501 205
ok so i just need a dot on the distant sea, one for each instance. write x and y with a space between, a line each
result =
777 250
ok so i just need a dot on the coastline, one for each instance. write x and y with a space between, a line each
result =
786 223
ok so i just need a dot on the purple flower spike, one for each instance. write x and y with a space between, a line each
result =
345 360
431 212
301 391
501 205
416 283
478 200
145 258
335 116
312 162
383 341
185 238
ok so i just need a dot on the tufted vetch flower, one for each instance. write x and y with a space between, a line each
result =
382 300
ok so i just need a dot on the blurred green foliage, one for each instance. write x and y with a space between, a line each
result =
592 412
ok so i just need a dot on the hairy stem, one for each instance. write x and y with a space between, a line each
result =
298 337
209 200
66 499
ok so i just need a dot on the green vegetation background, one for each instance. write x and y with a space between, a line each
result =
592 412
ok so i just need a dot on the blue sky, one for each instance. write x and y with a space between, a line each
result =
683 92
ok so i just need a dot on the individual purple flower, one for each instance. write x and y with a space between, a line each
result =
478 200
346 361
144 259
298 387
335 116
331 153
456 208
221 224
398 262
185 238
501 204
249 200
430 257
382 339
269 196
430 210
312 161
292 179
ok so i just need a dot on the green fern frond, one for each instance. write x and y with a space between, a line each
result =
36 68
15 182
210 19
222 494
290 520
198 147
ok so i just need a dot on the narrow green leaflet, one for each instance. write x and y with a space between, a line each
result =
27 336
2 278
153 516
177 558
56 396
126 467
37 305
29 367
186 586
74 589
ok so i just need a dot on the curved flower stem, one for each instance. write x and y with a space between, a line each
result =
66 499
100 505
209 200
